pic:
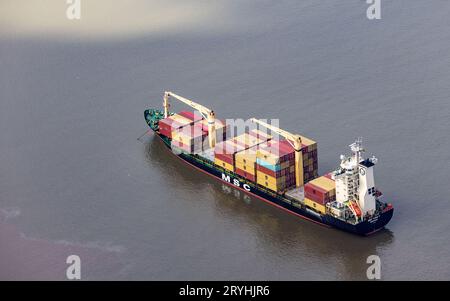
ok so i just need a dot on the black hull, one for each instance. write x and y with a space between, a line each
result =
363 228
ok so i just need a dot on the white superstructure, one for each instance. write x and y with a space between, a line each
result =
355 181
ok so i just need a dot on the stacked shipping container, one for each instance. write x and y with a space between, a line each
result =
275 165
189 138
226 152
176 121
245 160
193 138
310 163
222 129
245 163
251 155
319 192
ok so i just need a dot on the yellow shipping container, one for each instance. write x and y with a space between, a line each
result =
267 156
278 187
197 142
324 183
272 157
181 136
245 160
266 178
316 206
247 156
223 164
269 185
249 168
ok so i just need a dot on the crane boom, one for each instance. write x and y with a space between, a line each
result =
207 113
292 137
296 142
198 107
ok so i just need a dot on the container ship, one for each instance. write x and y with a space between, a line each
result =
275 166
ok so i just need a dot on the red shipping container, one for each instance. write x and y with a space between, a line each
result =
317 198
280 148
316 194
276 174
225 158
268 171
245 174
286 146
165 132
167 125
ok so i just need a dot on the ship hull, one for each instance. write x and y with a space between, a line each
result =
367 227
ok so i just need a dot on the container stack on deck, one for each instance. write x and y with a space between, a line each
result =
275 165
253 155
310 162
193 138
189 138
222 129
245 161
225 153
176 121
319 192
269 163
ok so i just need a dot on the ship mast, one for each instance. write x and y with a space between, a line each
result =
208 114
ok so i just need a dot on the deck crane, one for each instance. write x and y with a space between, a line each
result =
296 142
206 113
